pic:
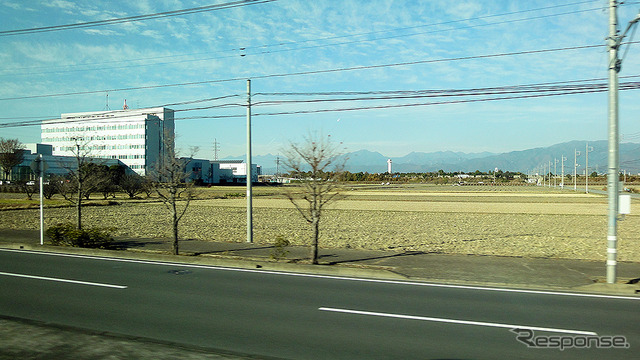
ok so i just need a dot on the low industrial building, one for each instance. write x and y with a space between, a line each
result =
56 165
220 171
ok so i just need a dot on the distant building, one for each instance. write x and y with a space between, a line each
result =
56 164
219 171
136 137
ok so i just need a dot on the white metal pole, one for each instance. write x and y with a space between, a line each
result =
586 170
249 176
40 175
562 179
575 169
555 173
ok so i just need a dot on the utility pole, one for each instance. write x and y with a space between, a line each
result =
613 43
549 174
249 190
576 153
586 168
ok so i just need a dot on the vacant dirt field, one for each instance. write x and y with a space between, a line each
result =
513 221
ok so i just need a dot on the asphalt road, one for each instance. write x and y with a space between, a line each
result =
304 316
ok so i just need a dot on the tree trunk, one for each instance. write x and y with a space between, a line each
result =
316 235
79 180
174 220
79 212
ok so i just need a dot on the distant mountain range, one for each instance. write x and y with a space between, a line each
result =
449 161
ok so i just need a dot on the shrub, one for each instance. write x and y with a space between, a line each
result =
67 235
279 251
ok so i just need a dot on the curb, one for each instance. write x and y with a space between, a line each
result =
338 270
221 261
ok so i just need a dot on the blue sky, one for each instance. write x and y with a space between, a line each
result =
450 45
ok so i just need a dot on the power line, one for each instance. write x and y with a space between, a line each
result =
311 72
509 93
380 95
244 49
120 114
378 92
434 103
245 53
134 18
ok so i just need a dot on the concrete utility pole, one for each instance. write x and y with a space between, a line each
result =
249 190
613 42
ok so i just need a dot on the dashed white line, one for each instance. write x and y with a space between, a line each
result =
63 280
459 322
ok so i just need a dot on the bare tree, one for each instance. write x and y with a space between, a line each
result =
318 163
169 181
28 188
132 184
82 179
11 155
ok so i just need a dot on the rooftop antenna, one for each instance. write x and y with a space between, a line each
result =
125 107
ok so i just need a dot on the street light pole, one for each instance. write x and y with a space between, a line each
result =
613 42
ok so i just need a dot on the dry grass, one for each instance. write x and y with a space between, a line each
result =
519 221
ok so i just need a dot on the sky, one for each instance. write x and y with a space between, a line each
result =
392 76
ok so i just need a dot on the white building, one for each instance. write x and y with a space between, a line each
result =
220 171
134 136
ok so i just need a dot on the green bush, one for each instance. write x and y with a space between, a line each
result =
67 235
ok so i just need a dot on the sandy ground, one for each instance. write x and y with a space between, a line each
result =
527 223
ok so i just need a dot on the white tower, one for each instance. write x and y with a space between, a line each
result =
389 166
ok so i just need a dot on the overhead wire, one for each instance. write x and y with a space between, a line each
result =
310 72
122 114
245 48
477 95
133 18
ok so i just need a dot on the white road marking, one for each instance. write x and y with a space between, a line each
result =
332 277
461 322
63 280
